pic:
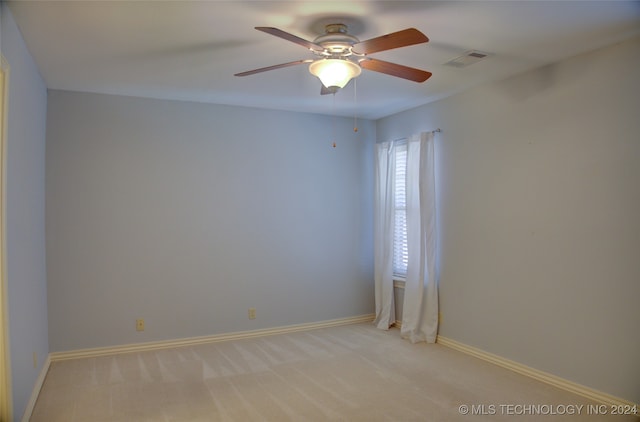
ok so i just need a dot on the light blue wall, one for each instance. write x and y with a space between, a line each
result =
26 263
538 205
188 214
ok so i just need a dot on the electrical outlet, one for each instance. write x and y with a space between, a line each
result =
35 360
252 313
140 324
440 317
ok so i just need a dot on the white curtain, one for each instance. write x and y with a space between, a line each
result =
383 234
420 310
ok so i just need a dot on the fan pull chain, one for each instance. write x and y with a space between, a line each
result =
333 120
355 100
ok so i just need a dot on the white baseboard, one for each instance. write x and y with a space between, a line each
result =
536 374
36 389
144 347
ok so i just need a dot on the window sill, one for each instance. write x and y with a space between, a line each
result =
398 282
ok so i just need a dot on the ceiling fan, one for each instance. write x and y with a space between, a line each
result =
341 56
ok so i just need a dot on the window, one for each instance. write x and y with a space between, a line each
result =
400 212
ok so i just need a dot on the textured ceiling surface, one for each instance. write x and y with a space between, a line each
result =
190 50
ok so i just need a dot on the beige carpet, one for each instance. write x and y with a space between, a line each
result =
348 373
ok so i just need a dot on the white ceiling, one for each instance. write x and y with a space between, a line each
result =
190 50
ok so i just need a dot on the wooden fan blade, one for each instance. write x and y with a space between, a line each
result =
290 37
277 66
398 39
393 69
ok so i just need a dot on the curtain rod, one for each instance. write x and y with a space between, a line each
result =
438 130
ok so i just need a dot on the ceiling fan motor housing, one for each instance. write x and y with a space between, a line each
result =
336 40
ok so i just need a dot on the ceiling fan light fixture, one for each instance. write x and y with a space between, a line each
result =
334 72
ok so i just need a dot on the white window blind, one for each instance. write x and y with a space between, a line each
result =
400 211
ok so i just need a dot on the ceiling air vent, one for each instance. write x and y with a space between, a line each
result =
468 58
